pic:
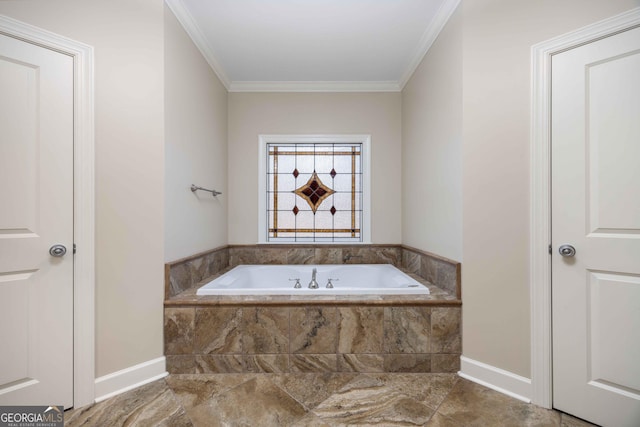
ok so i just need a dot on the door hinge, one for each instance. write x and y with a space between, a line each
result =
74 248
550 251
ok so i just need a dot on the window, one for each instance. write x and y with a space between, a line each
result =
314 189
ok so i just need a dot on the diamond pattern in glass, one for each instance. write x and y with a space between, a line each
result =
314 192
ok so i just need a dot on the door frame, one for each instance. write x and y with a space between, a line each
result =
540 189
83 199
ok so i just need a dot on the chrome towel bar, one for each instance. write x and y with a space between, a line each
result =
194 188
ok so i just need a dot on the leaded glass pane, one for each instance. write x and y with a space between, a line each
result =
314 192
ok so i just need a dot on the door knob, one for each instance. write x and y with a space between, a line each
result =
567 251
57 251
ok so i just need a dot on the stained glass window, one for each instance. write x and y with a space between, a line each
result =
314 192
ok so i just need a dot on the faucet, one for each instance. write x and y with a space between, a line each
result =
313 284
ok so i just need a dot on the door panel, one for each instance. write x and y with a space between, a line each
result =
36 200
596 208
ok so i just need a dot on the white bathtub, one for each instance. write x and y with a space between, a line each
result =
351 279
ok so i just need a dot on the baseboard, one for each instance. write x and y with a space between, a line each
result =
127 379
495 378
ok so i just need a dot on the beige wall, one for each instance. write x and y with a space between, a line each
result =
129 98
252 114
196 148
498 35
432 148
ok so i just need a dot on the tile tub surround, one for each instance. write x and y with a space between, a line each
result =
185 273
289 337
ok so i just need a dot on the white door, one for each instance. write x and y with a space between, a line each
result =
36 213
596 209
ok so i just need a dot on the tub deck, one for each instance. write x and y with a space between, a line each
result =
437 297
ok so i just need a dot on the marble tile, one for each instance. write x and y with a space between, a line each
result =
151 405
300 256
445 362
178 330
310 389
265 330
471 404
447 277
303 399
411 261
257 402
218 330
360 329
219 363
179 279
328 256
313 363
407 363
446 329
392 255
429 269
430 389
314 329
193 390
360 363
407 329
311 420
181 364
266 363
367 400
567 420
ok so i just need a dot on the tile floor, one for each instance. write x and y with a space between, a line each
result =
331 399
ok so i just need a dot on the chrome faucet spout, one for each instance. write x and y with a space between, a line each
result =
313 284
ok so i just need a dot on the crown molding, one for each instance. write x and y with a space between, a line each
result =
189 24
429 37
330 86
185 19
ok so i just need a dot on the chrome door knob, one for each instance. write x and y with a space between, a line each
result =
567 251
57 251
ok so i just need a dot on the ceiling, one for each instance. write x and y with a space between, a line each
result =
313 45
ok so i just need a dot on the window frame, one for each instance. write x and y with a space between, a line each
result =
264 140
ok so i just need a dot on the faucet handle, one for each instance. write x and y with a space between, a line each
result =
329 284
297 284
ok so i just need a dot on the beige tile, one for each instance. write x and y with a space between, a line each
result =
328 256
150 405
219 363
310 389
218 330
445 363
407 329
314 329
471 404
257 402
360 363
265 330
300 256
266 363
360 329
194 390
446 330
181 364
179 324
367 400
567 420
430 389
418 363
313 363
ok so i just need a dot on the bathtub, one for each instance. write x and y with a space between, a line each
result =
350 279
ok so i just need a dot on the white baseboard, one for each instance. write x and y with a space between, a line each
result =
127 379
495 378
